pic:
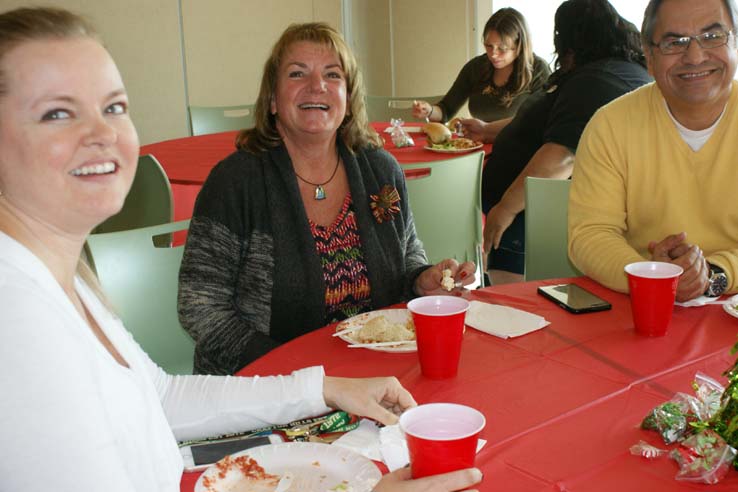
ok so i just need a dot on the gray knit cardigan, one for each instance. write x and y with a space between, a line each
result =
251 279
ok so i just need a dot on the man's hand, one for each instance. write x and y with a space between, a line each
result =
674 249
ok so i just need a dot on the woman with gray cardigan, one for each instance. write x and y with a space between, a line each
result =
308 222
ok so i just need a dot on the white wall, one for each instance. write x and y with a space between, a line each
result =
143 36
226 43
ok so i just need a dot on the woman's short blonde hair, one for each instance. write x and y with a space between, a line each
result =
354 131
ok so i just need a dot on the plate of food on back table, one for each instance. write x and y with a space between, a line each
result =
455 146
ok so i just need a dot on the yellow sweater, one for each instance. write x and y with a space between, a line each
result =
636 180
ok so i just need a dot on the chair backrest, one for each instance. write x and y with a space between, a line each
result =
546 213
141 282
215 119
447 205
148 203
383 108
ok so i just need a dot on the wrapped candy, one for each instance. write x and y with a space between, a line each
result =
704 457
647 451
399 136
708 393
706 426
672 419
683 414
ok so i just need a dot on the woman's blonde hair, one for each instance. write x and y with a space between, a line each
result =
510 25
354 131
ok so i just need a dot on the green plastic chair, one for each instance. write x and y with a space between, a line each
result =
447 206
383 108
546 214
148 203
215 119
141 282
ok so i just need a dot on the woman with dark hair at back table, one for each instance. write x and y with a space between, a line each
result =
308 222
599 58
496 83
83 406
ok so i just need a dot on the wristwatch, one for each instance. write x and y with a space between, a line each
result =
718 281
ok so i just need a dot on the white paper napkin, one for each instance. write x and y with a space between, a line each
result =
386 444
502 321
394 447
698 301
363 440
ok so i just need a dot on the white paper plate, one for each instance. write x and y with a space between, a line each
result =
731 306
314 467
453 151
392 315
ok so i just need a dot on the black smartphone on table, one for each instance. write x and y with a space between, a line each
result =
573 298
197 457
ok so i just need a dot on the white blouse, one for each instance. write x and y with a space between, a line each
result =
73 419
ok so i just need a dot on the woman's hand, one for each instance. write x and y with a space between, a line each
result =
498 220
429 282
424 109
400 481
381 399
473 128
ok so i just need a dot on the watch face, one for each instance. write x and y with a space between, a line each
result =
718 284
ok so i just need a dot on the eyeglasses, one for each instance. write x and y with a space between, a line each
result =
707 40
499 49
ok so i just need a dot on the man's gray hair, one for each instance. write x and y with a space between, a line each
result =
652 9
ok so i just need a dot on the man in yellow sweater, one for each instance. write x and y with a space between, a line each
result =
656 171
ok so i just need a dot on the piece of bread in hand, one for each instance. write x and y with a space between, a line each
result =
437 132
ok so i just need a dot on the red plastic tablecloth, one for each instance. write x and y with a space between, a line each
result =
562 404
188 161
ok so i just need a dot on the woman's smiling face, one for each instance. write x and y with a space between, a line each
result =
68 149
310 98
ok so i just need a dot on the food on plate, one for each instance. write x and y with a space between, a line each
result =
437 133
254 478
457 144
380 329
447 281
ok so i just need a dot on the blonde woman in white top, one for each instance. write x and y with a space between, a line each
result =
83 407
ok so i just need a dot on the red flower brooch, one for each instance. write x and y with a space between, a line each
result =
384 205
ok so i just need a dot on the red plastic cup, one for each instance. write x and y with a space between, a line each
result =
441 437
653 287
439 328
